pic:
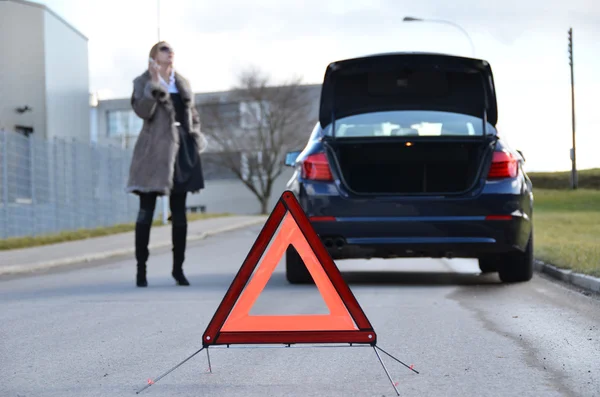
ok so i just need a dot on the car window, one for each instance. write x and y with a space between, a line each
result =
409 123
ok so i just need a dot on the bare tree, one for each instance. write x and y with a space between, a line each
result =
252 143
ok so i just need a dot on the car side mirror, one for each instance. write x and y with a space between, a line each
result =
290 158
521 154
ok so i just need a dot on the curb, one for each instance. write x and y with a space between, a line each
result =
30 268
588 283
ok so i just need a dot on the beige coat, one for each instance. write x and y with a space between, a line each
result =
154 153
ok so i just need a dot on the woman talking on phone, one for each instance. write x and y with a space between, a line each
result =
166 156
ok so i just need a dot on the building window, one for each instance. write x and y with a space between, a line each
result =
123 123
254 114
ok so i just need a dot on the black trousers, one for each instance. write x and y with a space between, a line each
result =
176 204
145 216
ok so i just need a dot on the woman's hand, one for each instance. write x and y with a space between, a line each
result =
154 69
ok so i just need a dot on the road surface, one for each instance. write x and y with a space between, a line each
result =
89 332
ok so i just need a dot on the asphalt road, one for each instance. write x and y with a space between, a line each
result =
90 332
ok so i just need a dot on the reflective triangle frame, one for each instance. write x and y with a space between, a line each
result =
231 324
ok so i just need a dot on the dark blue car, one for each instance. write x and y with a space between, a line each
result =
406 161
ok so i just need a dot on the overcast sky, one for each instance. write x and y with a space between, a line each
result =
525 44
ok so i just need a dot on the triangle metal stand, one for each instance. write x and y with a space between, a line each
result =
376 349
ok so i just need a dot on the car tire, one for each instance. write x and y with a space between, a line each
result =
295 269
518 267
488 265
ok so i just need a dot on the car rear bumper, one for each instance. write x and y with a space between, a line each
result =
469 236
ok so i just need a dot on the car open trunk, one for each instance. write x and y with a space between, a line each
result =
401 168
409 123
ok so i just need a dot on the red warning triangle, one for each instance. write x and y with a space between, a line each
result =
232 322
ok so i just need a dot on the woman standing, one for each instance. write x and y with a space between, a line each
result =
166 156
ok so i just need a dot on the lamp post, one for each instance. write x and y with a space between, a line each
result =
413 19
573 157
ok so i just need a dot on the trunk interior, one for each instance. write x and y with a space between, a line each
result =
423 167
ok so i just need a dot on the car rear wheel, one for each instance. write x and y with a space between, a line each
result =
517 267
295 269
488 265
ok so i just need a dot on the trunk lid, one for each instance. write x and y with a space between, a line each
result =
409 124
408 82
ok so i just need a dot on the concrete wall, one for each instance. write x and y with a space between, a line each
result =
234 197
67 81
22 70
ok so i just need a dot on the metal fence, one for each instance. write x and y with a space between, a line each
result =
49 186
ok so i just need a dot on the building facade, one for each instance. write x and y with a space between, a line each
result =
51 180
44 73
119 126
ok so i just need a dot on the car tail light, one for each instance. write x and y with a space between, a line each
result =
315 167
504 165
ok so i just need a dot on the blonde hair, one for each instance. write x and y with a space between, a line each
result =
155 47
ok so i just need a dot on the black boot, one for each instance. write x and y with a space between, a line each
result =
141 276
179 237
142 238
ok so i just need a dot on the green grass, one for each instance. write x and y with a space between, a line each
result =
567 228
587 179
28 242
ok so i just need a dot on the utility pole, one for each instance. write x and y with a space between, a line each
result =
165 204
158 19
573 150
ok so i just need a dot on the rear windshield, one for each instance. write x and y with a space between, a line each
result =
409 123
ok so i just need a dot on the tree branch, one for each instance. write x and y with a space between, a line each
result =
279 120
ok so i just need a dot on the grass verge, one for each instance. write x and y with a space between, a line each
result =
586 179
82 234
567 229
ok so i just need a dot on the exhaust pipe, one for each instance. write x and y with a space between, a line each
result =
328 242
340 242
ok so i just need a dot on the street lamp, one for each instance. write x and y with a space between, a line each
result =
413 19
